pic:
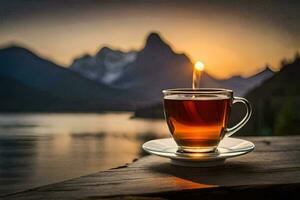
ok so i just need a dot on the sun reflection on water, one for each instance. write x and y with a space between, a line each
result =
69 145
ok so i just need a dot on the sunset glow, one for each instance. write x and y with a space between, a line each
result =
230 42
199 66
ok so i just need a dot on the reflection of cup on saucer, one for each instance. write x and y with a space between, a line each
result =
198 118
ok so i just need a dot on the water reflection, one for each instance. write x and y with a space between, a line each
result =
38 149
17 158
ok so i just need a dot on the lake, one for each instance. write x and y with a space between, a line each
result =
39 149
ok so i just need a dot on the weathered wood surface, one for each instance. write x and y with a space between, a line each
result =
271 170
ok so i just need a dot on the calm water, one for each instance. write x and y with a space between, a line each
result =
39 149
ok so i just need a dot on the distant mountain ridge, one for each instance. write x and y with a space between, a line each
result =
157 66
242 85
109 80
22 70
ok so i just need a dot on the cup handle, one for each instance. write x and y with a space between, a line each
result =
238 126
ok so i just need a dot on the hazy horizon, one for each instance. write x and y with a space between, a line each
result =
236 38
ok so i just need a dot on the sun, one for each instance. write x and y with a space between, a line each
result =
199 66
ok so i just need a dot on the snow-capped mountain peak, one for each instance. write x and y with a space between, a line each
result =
106 66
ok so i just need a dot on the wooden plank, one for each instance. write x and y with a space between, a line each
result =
274 166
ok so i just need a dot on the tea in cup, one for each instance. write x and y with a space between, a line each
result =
198 118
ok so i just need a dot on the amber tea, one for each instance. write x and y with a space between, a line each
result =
197 119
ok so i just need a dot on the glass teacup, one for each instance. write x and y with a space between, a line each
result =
198 118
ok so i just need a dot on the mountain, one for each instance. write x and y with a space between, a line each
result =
155 67
109 80
146 72
158 67
26 76
105 67
15 96
276 103
242 85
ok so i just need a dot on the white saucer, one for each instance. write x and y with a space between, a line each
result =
228 147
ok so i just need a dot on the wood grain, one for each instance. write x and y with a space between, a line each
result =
272 171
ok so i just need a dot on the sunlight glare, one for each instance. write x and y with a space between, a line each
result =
199 66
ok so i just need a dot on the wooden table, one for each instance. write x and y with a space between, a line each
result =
271 171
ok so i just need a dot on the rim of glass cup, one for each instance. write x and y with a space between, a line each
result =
197 91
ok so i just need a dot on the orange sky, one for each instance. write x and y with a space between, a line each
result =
229 43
